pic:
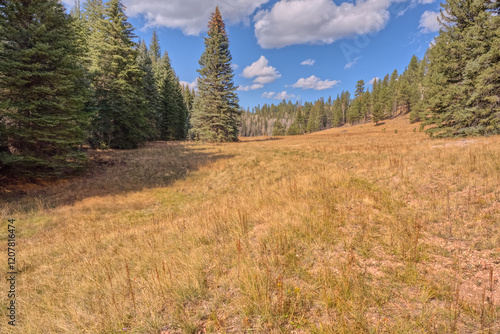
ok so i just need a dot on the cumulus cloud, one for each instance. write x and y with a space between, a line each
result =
191 85
279 96
351 64
268 95
309 62
191 16
291 22
252 87
313 82
283 95
235 66
373 80
429 22
261 71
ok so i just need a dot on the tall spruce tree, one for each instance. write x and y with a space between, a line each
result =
355 112
155 50
463 86
120 108
173 110
378 96
41 90
150 91
216 115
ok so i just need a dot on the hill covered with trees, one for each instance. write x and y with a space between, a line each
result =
454 89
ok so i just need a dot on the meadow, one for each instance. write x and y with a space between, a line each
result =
362 229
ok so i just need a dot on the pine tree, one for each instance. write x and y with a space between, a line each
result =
378 111
150 91
94 33
155 50
297 127
345 98
173 111
41 90
355 112
278 129
393 100
418 112
337 115
366 103
120 108
409 93
216 115
462 81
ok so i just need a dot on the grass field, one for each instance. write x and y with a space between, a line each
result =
364 229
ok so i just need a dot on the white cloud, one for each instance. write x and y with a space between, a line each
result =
318 21
373 80
351 64
429 22
191 85
309 62
268 95
261 71
413 4
279 96
191 16
283 95
252 87
313 82
235 66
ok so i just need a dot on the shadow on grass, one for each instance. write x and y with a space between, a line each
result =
379 124
110 172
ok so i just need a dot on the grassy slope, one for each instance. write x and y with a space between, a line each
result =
358 229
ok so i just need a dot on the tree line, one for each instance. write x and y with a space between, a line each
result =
69 80
393 95
454 90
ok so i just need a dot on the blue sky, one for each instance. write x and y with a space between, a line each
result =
293 49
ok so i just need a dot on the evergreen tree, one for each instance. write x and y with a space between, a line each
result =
155 50
393 100
150 91
463 77
297 127
278 129
120 108
337 115
345 98
173 111
41 90
378 111
188 97
410 85
366 104
216 115
94 33
355 112
418 112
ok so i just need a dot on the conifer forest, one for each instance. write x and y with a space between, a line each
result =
134 202
84 79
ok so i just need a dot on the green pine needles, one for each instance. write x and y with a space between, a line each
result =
216 113
463 80
120 107
41 90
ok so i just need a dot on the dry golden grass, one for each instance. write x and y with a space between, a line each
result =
360 229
